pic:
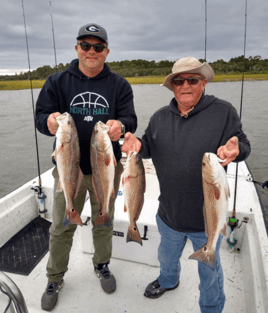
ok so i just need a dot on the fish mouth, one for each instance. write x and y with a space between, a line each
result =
132 153
221 160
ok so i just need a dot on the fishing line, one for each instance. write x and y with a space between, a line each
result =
53 38
241 103
30 77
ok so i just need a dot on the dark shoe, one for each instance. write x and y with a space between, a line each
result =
50 296
108 282
154 290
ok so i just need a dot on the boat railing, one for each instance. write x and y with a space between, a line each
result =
16 302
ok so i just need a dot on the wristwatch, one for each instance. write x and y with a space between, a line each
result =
123 128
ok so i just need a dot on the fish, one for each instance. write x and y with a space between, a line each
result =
216 193
134 185
103 165
67 157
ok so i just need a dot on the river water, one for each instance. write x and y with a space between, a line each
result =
18 150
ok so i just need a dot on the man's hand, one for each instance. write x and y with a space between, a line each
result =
115 130
131 143
228 152
52 123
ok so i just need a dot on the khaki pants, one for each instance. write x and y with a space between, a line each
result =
61 237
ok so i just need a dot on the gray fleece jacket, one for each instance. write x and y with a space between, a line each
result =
177 144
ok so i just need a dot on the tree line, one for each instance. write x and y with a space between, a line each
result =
136 68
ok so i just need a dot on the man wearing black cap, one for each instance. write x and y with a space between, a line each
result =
90 92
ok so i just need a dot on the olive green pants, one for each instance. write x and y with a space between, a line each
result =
61 237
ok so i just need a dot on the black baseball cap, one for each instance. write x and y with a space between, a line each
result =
93 30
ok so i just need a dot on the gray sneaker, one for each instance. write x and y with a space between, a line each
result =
50 296
107 280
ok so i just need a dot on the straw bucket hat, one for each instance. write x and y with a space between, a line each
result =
189 65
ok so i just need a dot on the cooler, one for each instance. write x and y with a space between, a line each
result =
131 251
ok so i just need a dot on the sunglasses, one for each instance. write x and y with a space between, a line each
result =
87 46
191 81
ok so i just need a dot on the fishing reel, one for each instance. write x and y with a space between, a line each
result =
233 222
40 199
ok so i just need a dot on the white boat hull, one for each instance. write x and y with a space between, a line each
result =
245 269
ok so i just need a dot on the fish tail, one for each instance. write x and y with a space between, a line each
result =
103 219
206 256
72 217
134 234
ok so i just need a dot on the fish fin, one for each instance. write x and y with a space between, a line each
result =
115 163
79 181
65 221
125 208
134 234
223 230
107 159
72 217
59 187
205 256
103 219
126 179
217 192
54 154
123 180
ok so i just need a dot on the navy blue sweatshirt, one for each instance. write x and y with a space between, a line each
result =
89 100
177 144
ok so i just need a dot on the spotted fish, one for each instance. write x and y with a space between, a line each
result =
216 194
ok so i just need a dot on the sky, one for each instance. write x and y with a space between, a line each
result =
137 29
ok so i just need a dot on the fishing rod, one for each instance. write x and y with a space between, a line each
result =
205 36
53 38
233 222
37 189
206 30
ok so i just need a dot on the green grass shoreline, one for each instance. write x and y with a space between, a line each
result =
25 84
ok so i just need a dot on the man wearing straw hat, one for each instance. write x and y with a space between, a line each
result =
176 139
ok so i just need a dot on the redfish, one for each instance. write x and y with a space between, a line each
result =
103 170
67 156
216 194
134 188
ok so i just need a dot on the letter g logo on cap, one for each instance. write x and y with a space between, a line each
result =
93 29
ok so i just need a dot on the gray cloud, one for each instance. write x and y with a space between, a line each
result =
141 29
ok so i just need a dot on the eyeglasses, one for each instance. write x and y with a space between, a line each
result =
191 81
87 46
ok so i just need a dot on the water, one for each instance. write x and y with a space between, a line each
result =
17 146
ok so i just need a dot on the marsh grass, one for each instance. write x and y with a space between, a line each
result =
20 84
238 77
25 84
217 78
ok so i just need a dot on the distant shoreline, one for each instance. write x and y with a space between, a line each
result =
25 84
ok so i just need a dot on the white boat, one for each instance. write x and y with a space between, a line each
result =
245 267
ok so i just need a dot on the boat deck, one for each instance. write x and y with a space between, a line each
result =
82 291
245 270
